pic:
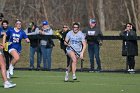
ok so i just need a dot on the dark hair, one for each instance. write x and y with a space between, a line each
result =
76 23
34 24
128 24
133 27
5 21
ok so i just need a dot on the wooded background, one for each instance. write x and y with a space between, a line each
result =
110 14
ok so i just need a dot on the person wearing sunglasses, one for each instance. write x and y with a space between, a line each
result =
64 32
129 46
76 45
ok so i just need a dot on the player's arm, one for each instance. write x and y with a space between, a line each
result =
27 40
66 40
26 37
84 46
83 50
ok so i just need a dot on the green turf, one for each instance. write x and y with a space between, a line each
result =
52 82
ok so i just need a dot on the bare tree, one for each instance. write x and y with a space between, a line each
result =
138 13
90 9
59 12
134 13
2 5
128 11
44 9
101 15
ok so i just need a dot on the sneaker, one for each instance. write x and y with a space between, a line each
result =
31 68
99 69
8 74
38 68
9 85
91 70
74 78
66 77
11 68
132 70
129 70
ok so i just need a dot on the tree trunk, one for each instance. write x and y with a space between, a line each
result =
101 15
128 12
138 13
44 9
2 5
134 13
89 5
139 7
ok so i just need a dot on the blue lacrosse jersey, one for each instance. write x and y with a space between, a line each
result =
15 39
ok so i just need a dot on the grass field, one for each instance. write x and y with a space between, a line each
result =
52 82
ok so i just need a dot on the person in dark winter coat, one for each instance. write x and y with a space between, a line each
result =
129 46
64 32
32 29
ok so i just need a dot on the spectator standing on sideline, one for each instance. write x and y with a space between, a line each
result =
4 28
93 45
34 45
64 32
129 47
46 46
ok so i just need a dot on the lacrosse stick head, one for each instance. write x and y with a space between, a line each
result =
57 33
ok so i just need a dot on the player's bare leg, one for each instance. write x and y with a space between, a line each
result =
13 61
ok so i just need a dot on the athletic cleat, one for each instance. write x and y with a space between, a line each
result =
11 70
74 78
66 78
8 74
9 85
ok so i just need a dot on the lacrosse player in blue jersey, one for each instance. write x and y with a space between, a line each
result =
14 48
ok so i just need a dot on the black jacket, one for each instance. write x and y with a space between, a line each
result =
62 45
34 42
129 47
97 33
